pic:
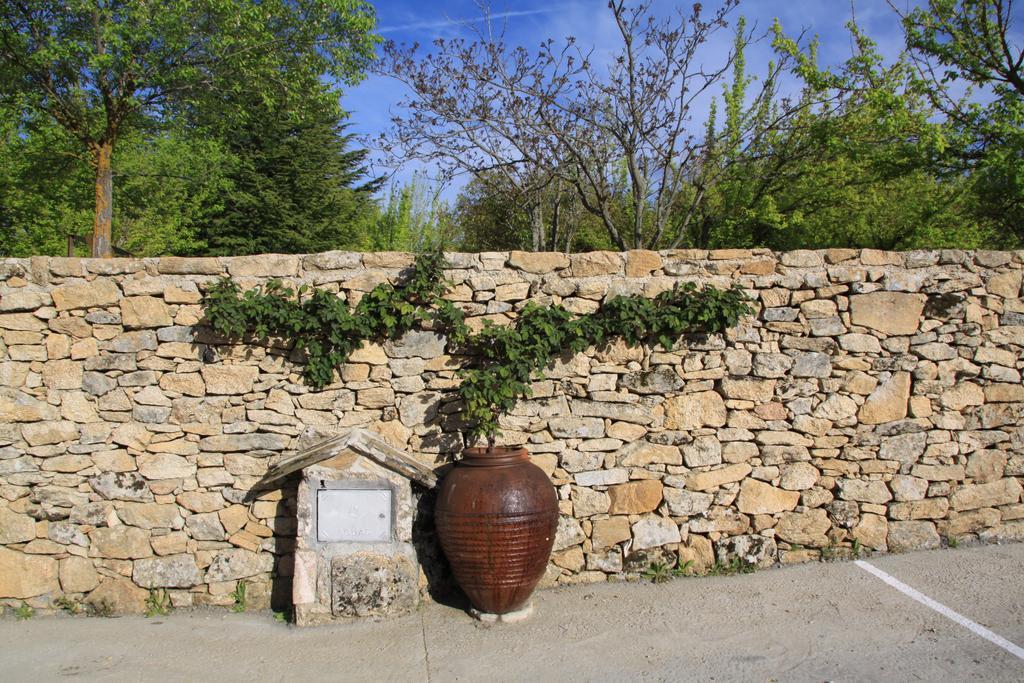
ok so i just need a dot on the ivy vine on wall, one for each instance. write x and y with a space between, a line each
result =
500 361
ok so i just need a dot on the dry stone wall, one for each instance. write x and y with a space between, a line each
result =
874 401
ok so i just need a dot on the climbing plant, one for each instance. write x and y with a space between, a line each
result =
500 361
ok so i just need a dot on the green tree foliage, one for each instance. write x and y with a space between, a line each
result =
45 189
293 182
169 183
414 217
493 221
102 68
868 153
975 42
855 166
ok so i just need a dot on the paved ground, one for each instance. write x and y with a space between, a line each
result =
816 622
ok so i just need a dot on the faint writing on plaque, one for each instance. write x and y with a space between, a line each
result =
353 515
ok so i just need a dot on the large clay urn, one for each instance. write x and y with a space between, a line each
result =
496 516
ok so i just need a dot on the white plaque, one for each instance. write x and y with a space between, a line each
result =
353 515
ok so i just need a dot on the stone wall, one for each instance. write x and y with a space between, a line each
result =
873 402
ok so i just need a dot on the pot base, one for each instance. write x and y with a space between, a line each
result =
521 614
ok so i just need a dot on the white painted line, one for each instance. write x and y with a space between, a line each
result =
978 629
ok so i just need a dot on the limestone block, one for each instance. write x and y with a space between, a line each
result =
201 501
99 292
939 472
681 503
371 584
969 522
640 263
635 497
173 571
915 535
78 575
651 532
576 427
888 402
644 453
864 490
151 515
929 508
120 596
236 563
986 466
1006 285
906 487
179 265
416 344
662 380
119 542
568 533
751 550
595 263
537 262
772 364
1004 393
872 531
798 476
888 312
26 576
49 432
698 551
757 497
695 410
962 395
16 528
759 391
803 258
804 528
904 448
144 311
973 496
712 479
587 502
860 343
836 408
62 374
229 379
704 451
263 265
608 532
165 466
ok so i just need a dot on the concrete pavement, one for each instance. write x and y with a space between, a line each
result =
813 622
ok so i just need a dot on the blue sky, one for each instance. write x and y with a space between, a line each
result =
589 21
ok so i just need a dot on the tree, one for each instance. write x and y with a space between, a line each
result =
972 42
463 120
44 182
100 67
854 166
293 181
413 218
172 183
492 221
619 135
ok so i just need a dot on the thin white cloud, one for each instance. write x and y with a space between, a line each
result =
450 22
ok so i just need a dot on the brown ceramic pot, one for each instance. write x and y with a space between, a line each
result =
496 516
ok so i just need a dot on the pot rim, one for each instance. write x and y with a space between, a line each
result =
498 456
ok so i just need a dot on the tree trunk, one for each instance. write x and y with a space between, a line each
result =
104 214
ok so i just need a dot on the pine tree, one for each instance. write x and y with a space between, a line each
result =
295 184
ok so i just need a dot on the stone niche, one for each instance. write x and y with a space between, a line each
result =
354 555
